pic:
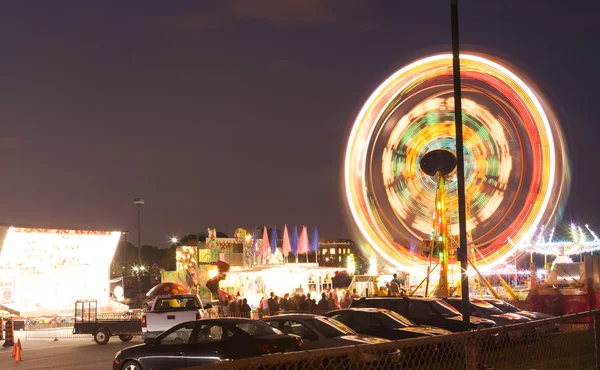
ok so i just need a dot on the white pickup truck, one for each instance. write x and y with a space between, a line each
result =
170 310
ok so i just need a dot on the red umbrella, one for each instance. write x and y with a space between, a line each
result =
166 288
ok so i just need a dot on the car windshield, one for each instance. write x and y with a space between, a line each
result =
444 308
394 320
487 308
257 328
506 307
179 303
332 328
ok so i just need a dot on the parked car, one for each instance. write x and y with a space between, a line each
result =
205 341
509 308
544 329
383 323
424 311
319 331
170 310
482 309
324 332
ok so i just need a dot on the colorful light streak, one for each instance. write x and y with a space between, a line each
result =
516 170
580 243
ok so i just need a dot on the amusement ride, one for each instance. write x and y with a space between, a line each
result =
516 170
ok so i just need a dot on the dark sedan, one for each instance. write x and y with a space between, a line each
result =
324 332
424 311
480 308
319 332
383 323
206 341
509 308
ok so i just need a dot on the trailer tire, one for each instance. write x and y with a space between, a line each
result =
102 336
125 337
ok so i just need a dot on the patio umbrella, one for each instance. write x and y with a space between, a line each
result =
265 243
314 243
274 240
295 241
254 239
166 288
286 246
303 241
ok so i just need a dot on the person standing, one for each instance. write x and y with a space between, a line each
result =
245 309
346 299
283 303
272 305
396 280
323 305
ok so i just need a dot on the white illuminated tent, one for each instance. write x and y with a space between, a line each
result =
44 271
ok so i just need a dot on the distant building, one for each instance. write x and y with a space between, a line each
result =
335 252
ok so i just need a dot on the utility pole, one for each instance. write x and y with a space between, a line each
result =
139 202
460 165
125 233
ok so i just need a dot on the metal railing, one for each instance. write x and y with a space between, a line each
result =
258 314
49 331
567 342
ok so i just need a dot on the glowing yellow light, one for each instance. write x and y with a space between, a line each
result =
40 261
373 266
351 265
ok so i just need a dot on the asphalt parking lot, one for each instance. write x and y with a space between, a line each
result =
67 353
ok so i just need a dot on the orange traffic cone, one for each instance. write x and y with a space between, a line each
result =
18 356
14 351
19 343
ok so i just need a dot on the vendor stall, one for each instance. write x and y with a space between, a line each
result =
43 271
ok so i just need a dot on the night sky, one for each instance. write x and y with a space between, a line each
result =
235 113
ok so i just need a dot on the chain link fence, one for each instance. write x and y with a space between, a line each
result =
567 342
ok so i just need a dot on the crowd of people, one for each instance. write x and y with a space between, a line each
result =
297 301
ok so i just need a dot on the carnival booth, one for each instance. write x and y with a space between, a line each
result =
256 266
44 271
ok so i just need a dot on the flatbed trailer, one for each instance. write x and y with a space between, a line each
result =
105 325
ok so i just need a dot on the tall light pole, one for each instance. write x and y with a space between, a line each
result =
139 202
460 165
125 233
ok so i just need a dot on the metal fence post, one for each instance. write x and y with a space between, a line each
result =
471 353
597 337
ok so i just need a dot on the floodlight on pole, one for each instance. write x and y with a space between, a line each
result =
125 233
139 202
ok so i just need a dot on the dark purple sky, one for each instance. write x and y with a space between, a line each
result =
235 113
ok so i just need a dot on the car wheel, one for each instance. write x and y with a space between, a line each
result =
125 337
131 365
101 336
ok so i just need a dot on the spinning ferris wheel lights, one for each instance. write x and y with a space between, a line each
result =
515 165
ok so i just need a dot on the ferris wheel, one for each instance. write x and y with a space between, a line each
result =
516 173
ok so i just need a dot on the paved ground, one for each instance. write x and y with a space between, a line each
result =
64 354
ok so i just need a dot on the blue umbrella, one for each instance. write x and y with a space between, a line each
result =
254 239
274 240
314 241
295 240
